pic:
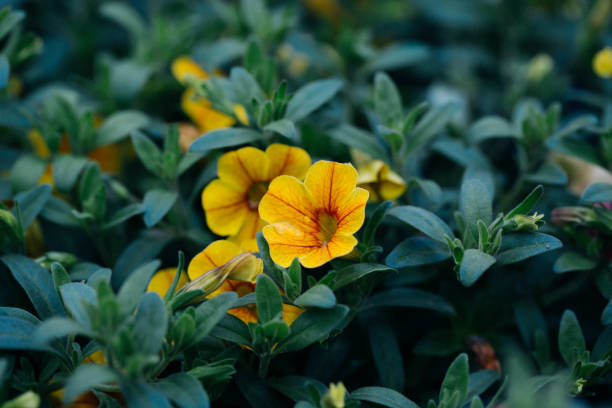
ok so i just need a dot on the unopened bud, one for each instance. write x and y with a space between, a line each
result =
522 222
574 215
243 267
334 397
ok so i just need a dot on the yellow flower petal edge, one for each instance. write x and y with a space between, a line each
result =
231 202
380 181
184 66
602 63
161 281
313 221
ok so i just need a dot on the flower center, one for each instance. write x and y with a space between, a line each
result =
256 193
328 224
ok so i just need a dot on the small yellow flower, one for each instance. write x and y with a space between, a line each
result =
241 280
231 202
313 221
602 63
161 281
334 397
200 109
381 182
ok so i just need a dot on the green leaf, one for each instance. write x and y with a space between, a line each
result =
75 295
597 192
221 138
156 205
5 71
358 139
256 391
527 204
92 193
292 279
37 283
426 222
398 56
575 125
374 221
476 204
135 285
606 315
150 323
59 275
17 334
520 246
209 313
232 329
409 297
269 300
9 19
26 172
387 100
430 125
138 393
383 396
318 296
137 253
549 173
85 378
438 343
571 339
66 170
311 326
60 212
184 390
479 382
31 202
310 97
284 127
148 153
56 327
387 354
456 380
245 87
120 125
125 16
577 148
123 214
353 272
572 261
417 251
490 127
473 265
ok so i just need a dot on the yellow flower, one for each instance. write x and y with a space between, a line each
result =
334 397
231 201
200 109
329 9
162 280
241 280
381 182
313 221
602 63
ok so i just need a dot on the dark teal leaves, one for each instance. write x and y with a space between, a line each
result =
473 265
455 382
417 251
572 261
597 192
571 339
517 247
358 139
184 390
318 296
409 297
310 97
383 396
218 139
31 202
354 272
269 301
156 204
37 283
86 377
119 126
426 222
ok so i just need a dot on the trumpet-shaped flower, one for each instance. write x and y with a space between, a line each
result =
231 202
161 281
381 182
602 63
224 266
200 109
313 221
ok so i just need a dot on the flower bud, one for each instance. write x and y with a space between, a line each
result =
575 215
522 222
334 397
243 267
28 399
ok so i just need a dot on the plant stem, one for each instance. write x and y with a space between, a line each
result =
264 364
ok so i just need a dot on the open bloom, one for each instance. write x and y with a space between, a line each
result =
231 202
200 109
237 272
313 221
602 63
381 182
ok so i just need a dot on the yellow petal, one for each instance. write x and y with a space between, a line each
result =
247 234
97 357
225 207
352 213
184 66
108 157
289 160
243 167
286 243
339 245
287 200
602 63
241 114
161 281
215 254
202 114
369 172
330 184
246 314
38 143
290 313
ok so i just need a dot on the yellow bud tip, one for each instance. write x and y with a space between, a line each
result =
334 397
242 268
602 63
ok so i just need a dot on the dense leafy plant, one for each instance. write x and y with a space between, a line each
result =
319 204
